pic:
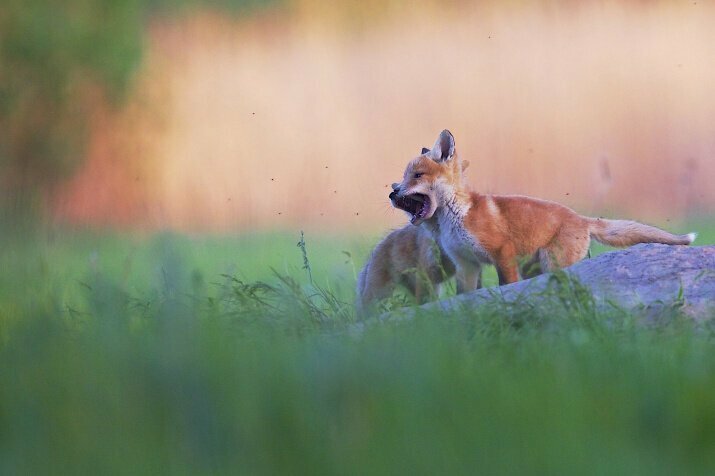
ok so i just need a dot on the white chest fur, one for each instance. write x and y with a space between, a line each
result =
455 239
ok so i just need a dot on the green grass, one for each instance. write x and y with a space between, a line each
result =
176 354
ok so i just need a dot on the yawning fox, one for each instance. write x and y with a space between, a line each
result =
498 229
411 257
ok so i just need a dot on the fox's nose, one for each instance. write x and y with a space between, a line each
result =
396 187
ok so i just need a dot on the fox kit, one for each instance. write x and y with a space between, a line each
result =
498 229
408 256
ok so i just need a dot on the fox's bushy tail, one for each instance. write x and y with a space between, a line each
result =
622 233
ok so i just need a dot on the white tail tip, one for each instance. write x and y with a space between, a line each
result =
691 237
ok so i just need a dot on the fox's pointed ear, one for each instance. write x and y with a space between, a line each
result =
424 150
465 164
443 149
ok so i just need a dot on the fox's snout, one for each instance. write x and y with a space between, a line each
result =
395 191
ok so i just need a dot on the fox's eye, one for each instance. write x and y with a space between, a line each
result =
418 175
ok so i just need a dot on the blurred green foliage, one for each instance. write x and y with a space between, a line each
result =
57 60
185 355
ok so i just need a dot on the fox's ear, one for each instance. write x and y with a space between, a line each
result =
443 149
465 164
424 150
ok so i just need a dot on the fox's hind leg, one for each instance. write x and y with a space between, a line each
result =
375 284
569 246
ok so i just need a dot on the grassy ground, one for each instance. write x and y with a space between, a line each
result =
176 354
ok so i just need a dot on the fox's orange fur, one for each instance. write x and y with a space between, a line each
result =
411 257
476 228
408 256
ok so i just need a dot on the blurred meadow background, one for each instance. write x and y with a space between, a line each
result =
298 114
159 160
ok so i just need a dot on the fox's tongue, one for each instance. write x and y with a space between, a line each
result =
421 211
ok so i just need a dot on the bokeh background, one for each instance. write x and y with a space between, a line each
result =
227 116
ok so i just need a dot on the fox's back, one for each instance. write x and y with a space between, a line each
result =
526 223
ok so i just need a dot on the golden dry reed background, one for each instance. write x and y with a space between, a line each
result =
300 116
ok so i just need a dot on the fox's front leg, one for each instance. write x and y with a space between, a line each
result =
507 266
469 277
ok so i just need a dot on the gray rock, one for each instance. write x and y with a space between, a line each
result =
647 279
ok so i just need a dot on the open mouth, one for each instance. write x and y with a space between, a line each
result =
417 205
